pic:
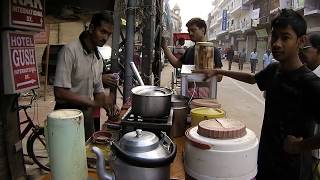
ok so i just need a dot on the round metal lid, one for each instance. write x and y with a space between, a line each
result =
151 91
139 141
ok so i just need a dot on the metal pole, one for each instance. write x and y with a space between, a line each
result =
129 49
115 45
148 40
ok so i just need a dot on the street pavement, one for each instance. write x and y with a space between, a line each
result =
239 100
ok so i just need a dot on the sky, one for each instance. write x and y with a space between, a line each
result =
192 8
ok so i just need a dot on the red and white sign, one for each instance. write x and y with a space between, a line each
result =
27 13
22 63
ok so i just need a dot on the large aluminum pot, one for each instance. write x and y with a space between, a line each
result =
151 101
139 155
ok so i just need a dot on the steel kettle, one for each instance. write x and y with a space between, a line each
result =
138 153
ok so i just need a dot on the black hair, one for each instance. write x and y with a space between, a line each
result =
314 39
289 17
99 17
198 22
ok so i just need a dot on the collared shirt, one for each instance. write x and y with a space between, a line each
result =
267 59
254 55
79 69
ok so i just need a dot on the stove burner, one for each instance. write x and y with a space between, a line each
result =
130 122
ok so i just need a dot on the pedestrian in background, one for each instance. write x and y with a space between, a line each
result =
267 58
230 56
310 55
253 60
242 58
291 103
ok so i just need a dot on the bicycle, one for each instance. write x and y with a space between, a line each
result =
36 146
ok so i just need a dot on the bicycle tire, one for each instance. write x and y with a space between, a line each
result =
37 150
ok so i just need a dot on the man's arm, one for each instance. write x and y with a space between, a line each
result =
172 59
296 145
240 76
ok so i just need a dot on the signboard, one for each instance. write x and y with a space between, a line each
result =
23 14
43 36
255 13
224 20
19 58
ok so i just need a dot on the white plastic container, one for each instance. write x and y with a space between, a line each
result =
217 159
66 140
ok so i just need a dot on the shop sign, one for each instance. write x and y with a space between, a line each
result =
24 14
224 20
20 66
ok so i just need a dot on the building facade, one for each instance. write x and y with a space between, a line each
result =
245 24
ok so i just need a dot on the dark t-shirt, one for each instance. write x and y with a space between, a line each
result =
188 57
291 107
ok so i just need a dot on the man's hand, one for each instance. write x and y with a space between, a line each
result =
109 80
292 144
164 43
208 73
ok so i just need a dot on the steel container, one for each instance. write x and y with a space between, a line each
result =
151 101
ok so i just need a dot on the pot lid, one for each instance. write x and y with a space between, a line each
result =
208 112
139 141
242 143
151 91
212 103
221 128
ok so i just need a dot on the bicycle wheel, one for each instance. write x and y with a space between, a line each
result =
37 149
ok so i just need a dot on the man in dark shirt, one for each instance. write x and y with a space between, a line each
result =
197 29
291 107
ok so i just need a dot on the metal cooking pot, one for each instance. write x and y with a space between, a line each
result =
151 101
138 155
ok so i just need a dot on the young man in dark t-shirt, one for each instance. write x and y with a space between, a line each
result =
197 30
291 107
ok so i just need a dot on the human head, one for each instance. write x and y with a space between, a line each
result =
268 51
181 41
310 53
100 28
288 30
197 29
254 49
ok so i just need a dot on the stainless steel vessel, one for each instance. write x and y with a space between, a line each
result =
151 101
138 155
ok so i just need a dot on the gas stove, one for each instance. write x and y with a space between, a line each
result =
131 122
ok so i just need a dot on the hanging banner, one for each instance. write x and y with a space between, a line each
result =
21 71
224 20
23 14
